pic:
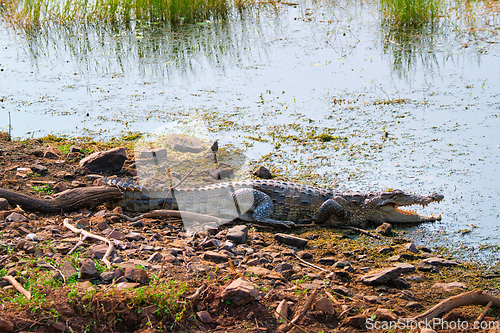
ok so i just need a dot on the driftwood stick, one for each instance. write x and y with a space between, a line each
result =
176 186
467 298
67 200
362 231
18 286
485 311
312 265
87 234
303 309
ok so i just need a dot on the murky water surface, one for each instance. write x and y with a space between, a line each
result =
417 110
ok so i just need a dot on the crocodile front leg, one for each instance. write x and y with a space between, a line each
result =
249 201
330 208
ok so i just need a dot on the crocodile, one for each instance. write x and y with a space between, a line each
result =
278 202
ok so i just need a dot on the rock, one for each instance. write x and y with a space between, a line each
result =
355 321
133 236
184 144
63 248
155 257
426 267
4 204
340 289
135 274
160 153
57 325
82 223
103 225
107 161
68 270
39 169
411 247
240 292
291 240
381 277
406 268
51 153
342 264
282 267
327 261
88 270
221 173
6 325
325 305
372 299
440 262
99 250
386 250
16 217
215 256
238 234
60 187
384 229
305 255
450 286
386 315
205 317
263 173
399 283
424 248
108 276
118 235
414 305
282 312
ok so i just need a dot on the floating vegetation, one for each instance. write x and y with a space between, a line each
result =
412 13
32 13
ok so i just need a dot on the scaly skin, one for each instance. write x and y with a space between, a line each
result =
282 203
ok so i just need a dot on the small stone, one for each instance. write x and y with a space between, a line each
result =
263 173
39 169
240 292
282 267
63 248
291 240
133 236
424 248
205 317
386 250
221 173
215 256
103 225
450 286
82 223
99 250
51 153
4 204
325 305
16 217
305 255
115 234
135 274
108 161
57 325
155 257
237 234
411 247
399 283
107 276
327 261
440 262
60 187
342 264
426 267
355 321
406 268
340 289
88 270
381 277
384 229
372 299
68 270
414 305
386 315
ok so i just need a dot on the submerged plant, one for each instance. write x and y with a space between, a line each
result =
32 13
410 12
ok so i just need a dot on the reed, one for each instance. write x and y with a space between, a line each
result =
34 13
412 13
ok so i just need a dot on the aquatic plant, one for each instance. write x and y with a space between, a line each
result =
33 13
410 12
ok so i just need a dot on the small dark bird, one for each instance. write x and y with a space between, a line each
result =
215 146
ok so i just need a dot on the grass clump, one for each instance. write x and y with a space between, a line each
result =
32 13
413 13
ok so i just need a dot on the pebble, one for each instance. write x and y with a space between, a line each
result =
384 229
411 247
291 240
134 274
237 234
88 270
4 204
215 256
406 268
16 217
324 305
240 292
382 276
108 161
263 173
427 267
205 317
39 169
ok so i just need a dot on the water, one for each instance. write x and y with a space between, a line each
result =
414 109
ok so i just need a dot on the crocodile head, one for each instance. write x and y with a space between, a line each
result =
391 207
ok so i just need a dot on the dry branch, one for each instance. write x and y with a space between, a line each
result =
476 297
85 234
18 286
312 265
303 309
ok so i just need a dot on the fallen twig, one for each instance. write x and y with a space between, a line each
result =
467 298
362 231
197 292
312 265
18 286
85 234
303 309
486 308
175 186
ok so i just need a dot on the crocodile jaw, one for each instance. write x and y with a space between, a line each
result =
396 214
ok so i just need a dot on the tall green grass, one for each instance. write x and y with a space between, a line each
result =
412 13
38 12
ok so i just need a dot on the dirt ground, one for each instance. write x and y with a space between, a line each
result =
187 283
